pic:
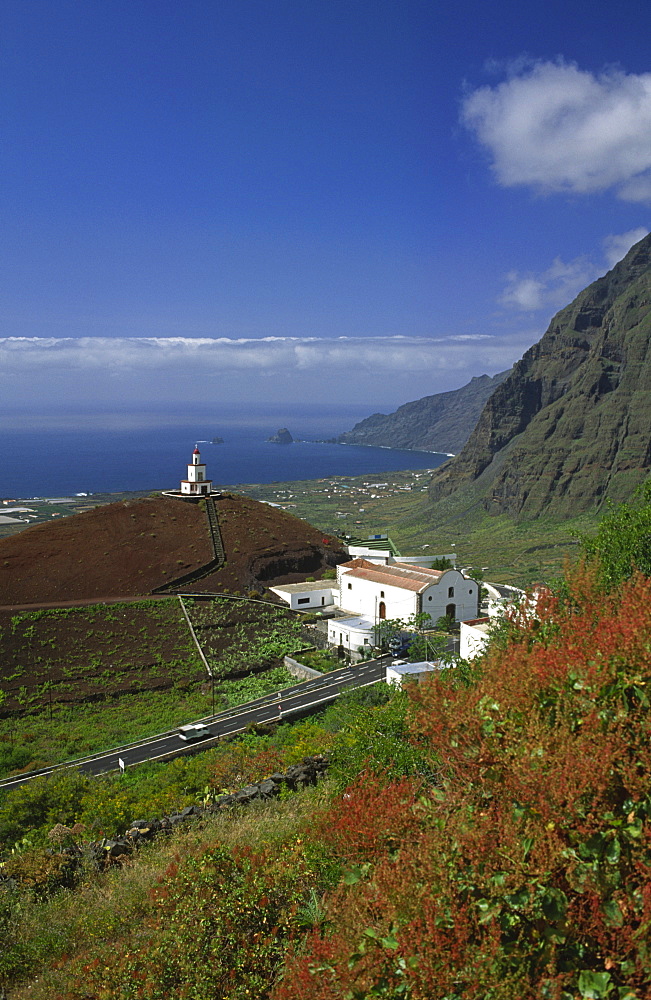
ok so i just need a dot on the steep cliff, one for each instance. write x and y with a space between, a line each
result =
441 423
571 424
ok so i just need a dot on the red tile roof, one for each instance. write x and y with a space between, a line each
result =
402 575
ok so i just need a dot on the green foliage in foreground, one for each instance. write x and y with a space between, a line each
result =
43 924
622 543
245 882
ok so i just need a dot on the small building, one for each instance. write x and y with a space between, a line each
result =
400 590
473 637
197 484
307 596
399 670
381 549
354 632
375 548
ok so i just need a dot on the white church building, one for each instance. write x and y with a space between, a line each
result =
400 590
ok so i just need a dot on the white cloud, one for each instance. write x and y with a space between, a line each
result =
554 127
551 289
91 372
616 247
559 284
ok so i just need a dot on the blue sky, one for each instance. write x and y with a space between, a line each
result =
217 206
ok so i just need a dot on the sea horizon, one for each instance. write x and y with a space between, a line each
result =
47 462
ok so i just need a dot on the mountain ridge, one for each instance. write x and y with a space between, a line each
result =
571 423
441 422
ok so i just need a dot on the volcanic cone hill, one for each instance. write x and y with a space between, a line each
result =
571 425
131 548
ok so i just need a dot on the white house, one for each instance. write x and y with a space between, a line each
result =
353 632
473 637
310 595
400 591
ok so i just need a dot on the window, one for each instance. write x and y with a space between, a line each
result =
381 593
470 591
350 586
303 600
429 598
450 591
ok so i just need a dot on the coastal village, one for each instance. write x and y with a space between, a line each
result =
375 599
378 586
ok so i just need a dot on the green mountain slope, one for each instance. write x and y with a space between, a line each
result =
571 424
442 422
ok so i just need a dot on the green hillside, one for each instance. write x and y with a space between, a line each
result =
571 424
483 834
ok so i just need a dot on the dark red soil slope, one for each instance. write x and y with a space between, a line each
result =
132 547
265 545
122 549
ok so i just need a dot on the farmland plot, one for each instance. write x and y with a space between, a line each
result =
68 655
85 679
242 637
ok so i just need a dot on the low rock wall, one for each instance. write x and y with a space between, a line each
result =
108 850
297 669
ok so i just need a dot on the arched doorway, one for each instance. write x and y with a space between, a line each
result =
450 611
382 610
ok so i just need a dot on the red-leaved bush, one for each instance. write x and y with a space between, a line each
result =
525 871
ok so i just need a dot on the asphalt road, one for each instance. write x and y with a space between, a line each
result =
283 705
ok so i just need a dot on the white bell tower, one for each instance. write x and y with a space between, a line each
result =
196 484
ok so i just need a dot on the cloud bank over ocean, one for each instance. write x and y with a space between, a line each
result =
88 371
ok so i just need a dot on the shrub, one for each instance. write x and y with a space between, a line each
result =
218 925
526 871
623 541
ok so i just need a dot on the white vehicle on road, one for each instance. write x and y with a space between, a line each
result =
194 731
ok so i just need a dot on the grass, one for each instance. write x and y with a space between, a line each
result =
109 906
90 728
54 940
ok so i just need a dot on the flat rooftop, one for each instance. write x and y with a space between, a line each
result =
300 588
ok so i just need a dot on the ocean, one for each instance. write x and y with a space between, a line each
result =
54 462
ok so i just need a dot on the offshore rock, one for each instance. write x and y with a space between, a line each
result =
281 436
